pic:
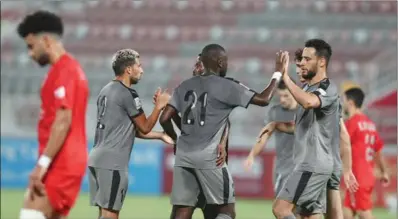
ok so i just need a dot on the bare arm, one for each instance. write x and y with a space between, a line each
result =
345 147
285 127
58 133
150 135
264 135
165 121
263 98
144 124
380 162
225 135
305 99
177 120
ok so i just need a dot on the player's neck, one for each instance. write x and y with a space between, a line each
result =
209 72
320 75
57 52
125 80
354 112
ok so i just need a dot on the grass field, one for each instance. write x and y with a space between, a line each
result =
141 207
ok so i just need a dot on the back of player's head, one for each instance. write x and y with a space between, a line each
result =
356 95
122 59
298 55
213 57
41 22
322 48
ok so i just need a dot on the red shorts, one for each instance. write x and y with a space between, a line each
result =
62 190
361 200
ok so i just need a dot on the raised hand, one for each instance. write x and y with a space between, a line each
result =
162 99
156 95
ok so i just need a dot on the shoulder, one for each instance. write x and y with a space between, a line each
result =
328 85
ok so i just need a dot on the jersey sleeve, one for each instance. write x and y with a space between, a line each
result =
131 103
327 94
237 93
64 89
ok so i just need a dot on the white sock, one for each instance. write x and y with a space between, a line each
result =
31 214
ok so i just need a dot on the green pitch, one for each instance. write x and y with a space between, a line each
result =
141 207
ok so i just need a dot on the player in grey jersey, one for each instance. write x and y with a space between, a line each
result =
283 112
315 134
205 103
120 118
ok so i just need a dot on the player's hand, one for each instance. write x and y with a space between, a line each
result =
350 181
285 60
156 95
198 67
385 179
279 62
221 155
162 99
248 163
36 186
167 139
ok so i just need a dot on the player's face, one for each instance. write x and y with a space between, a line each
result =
135 72
299 72
223 65
309 63
285 98
37 49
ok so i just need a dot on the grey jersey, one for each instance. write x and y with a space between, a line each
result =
315 130
115 133
283 142
205 103
337 163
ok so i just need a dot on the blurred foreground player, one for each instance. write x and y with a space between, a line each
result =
205 107
55 182
120 118
366 152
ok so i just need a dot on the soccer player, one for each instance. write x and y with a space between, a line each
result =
366 152
205 103
283 112
120 118
315 132
55 181
333 197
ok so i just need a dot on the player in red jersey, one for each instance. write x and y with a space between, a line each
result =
55 181
366 152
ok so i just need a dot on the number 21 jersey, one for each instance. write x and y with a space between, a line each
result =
204 103
365 142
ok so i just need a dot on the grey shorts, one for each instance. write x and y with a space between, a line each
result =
215 185
334 181
304 189
108 188
279 180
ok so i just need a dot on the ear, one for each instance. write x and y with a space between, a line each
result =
46 40
220 63
322 61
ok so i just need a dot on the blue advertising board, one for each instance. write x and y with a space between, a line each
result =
19 155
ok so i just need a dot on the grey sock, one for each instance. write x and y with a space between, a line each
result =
290 217
223 216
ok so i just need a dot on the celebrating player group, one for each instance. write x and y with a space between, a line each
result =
315 148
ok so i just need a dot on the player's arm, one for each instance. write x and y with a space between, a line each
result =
64 94
225 134
263 137
345 147
378 157
264 98
177 120
150 135
165 121
286 127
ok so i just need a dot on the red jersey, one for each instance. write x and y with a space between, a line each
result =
65 86
365 142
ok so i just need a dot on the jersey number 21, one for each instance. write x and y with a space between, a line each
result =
193 99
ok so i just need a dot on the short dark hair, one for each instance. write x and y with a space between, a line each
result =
282 85
123 59
298 55
356 95
210 52
41 22
322 48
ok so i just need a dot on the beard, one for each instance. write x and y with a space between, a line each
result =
43 60
310 74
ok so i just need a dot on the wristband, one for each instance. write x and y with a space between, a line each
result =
277 75
44 161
